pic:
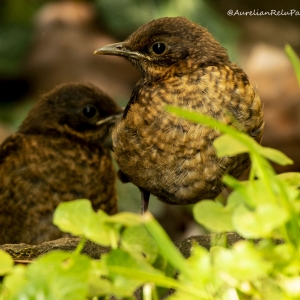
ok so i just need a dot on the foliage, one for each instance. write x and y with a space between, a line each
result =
266 206
15 34
121 18
14 43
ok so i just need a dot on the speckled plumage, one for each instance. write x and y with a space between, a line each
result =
162 154
56 155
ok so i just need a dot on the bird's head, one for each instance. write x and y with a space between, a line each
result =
79 110
169 47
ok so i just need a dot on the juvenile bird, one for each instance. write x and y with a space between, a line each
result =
56 155
182 65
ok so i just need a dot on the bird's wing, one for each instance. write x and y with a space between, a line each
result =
133 97
11 144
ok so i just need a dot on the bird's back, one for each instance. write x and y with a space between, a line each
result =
37 172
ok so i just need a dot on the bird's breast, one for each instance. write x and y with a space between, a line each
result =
168 155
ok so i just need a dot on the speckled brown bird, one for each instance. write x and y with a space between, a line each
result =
182 65
56 155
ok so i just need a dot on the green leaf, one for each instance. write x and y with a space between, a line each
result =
138 240
98 281
159 280
290 178
227 145
163 265
13 283
178 295
275 156
201 263
252 193
233 141
259 223
291 285
213 216
78 218
241 263
99 287
6 263
118 260
56 275
74 216
230 145
65 275
291 184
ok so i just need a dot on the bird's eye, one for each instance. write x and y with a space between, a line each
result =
89 111
159 48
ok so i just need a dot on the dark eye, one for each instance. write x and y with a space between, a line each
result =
158 48
89 111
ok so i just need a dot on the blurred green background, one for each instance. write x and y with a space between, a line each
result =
115 17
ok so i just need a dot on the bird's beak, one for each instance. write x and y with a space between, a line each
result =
120 49
110 119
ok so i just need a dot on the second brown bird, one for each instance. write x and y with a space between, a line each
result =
56 155
167 156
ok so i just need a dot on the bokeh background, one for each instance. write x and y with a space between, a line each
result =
45 43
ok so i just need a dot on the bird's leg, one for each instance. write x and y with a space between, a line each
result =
145 195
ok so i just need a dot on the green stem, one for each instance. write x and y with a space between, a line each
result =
80 246
161 280
294 60
168 250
